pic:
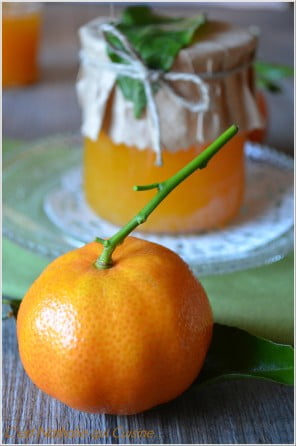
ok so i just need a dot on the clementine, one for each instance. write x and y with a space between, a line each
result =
119 340
118 334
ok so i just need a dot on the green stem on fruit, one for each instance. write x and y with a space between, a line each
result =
163 189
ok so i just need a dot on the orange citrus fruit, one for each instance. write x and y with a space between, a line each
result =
119 340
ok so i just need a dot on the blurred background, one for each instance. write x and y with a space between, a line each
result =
50 106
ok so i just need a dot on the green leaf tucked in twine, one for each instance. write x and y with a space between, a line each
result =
236 354
157 39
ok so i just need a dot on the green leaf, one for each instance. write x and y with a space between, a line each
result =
157 39
268 75
14 305
133 90
158 44
236 354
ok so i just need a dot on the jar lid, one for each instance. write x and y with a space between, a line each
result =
221 57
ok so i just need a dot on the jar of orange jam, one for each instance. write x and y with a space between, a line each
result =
118 147
20 38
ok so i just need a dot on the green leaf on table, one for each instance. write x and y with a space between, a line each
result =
236 354
14 304
268 75
157 39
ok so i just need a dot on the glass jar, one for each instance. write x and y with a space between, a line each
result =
20 39
117 154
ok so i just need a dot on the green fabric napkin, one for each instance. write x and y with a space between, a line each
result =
19 269
259 300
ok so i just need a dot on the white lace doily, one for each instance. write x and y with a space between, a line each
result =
263 231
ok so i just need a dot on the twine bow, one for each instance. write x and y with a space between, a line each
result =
137 69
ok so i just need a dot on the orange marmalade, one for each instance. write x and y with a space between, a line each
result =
20 38
206 200
118 149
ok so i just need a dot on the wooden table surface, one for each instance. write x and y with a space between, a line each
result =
246 411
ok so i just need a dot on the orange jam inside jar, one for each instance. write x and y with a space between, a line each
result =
20 39
206 200
117 153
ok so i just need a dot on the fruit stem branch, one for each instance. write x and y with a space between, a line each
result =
147 187
163 189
